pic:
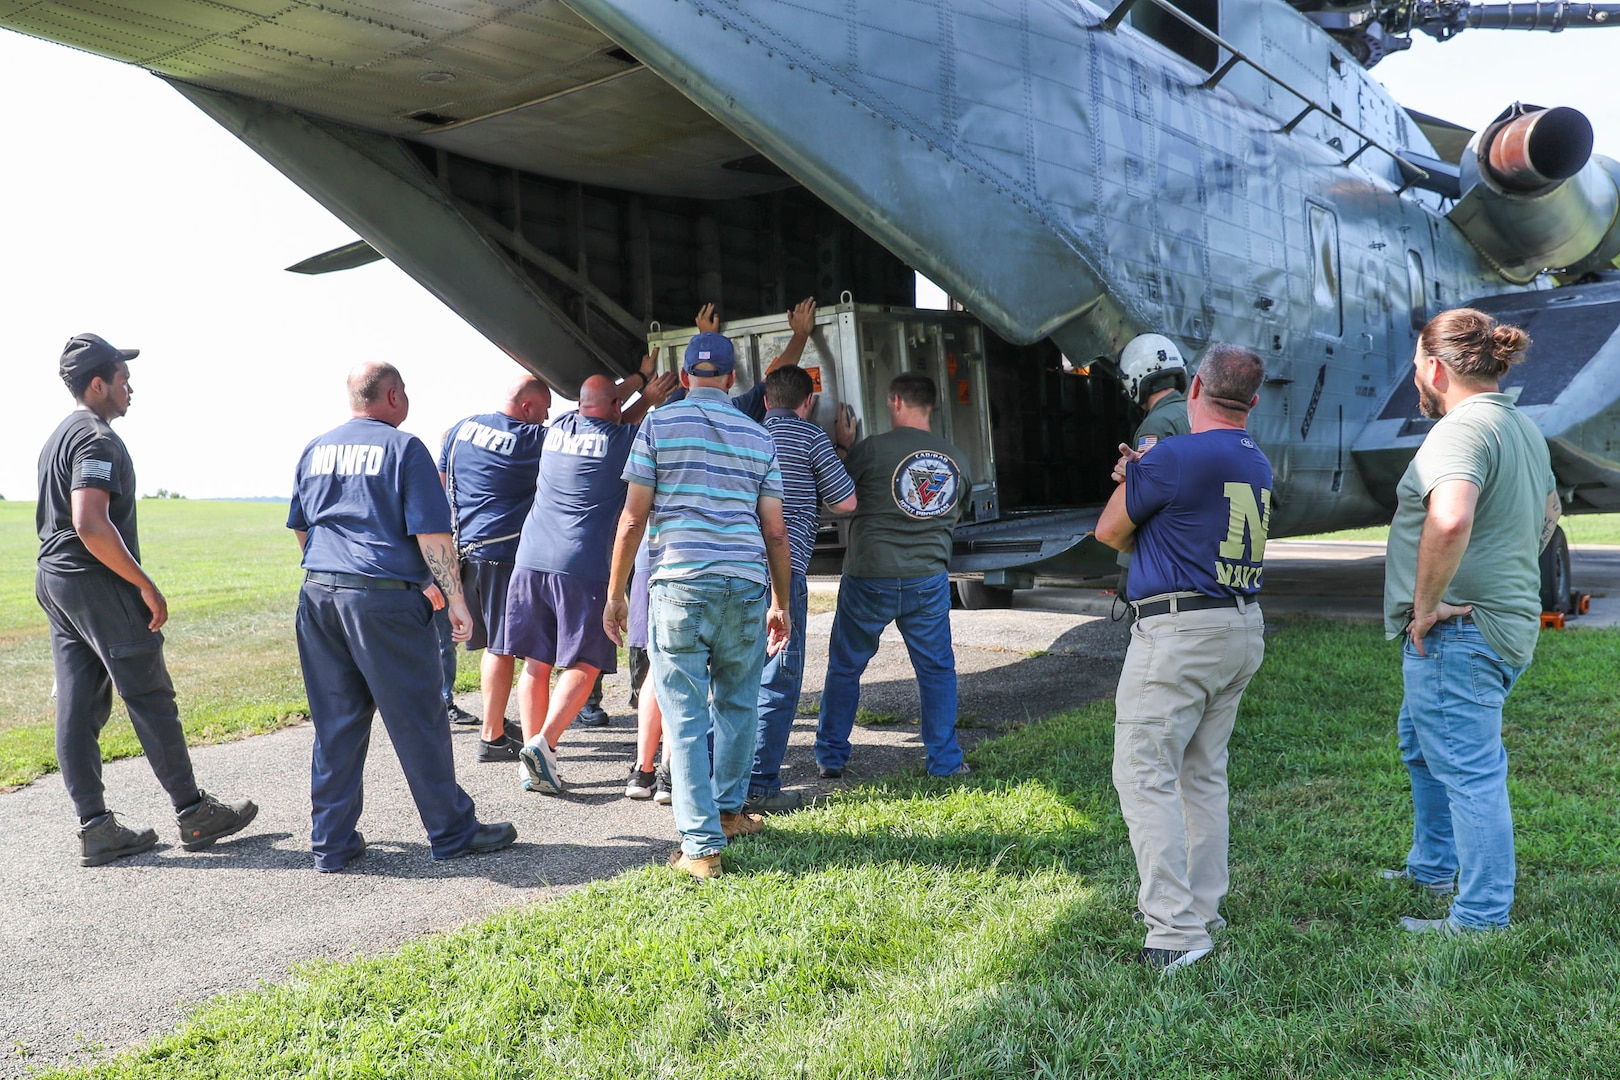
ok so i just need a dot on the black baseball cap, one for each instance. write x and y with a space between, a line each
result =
91 352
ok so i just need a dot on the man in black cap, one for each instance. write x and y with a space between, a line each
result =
106 616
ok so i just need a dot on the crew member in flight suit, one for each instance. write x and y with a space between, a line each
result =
373 523
1155 378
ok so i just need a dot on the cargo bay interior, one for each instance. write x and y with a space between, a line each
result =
619 261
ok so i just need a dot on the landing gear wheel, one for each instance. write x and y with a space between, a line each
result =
977 596
1555 574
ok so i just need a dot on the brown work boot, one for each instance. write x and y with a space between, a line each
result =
740 824
706 867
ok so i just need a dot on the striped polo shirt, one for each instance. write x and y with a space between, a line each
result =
811 475
708 466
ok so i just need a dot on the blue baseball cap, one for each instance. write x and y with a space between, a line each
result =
710 355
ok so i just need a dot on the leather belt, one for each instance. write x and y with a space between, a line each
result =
1188 603
357 581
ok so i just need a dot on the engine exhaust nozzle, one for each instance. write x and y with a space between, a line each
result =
1539 148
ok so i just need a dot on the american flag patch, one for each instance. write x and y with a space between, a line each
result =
91 469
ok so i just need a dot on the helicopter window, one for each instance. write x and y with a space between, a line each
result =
1325 270
1176 35
1416 296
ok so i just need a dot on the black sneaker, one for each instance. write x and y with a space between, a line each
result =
106 838
641 783
211 819
777 802
458 715
490 837
359 853
661 789
503 749
592 716
513 729
829 774
1167 960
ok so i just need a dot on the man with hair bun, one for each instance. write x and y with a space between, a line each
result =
1195 512
1462 586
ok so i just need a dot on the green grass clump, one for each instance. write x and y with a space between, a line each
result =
230 573
977 927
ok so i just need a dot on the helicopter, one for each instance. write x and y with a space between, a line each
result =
572 177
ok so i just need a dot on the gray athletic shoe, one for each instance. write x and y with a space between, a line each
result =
492 836
106 838
1443 927
1404 876
458 715
662 795
212 819
1168 960
777 802
538 771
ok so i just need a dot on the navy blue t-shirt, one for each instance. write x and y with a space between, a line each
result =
492 461
363 492
580 494
1201 504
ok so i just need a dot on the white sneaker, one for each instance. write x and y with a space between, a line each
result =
537 769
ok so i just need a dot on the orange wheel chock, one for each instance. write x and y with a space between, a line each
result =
1552 620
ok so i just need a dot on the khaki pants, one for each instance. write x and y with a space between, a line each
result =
1185 673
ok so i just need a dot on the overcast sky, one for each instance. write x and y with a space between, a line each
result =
129 213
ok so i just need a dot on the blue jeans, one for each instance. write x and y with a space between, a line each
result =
921 609
779 687
447 653
707 646
1451 740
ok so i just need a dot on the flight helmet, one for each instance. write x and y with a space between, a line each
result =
1149 363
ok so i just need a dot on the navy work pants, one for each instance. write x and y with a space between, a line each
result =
365 650
100 643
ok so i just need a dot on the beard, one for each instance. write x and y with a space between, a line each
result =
1429 403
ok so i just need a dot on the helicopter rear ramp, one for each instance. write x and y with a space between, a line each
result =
1568 385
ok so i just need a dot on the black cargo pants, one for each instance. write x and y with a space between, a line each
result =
100 642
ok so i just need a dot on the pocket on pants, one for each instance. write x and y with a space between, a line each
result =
1489 681
676 624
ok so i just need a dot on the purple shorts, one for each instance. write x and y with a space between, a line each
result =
640 586
485 584
556 619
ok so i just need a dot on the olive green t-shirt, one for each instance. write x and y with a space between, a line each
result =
909 488
1494 446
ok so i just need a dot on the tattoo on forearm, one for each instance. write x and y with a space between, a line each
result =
442 565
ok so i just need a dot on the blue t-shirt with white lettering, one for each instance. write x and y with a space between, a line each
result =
570 528
364 491
491 461
1201 504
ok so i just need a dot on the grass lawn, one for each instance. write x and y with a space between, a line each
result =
1578 528
230 573
976 928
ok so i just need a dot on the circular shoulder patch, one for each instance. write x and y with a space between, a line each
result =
926 484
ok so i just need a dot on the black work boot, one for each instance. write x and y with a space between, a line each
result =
106 838
210 819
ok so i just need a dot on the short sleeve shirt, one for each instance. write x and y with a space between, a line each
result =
363 492
1201 504
1492 445
491 461
708 466
569 530
811 475
909 487
83 452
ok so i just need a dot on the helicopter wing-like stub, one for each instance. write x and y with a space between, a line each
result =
1568 385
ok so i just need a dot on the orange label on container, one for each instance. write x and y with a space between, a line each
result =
815 377
962 391
950 364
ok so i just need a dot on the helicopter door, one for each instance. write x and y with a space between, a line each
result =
1327 302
